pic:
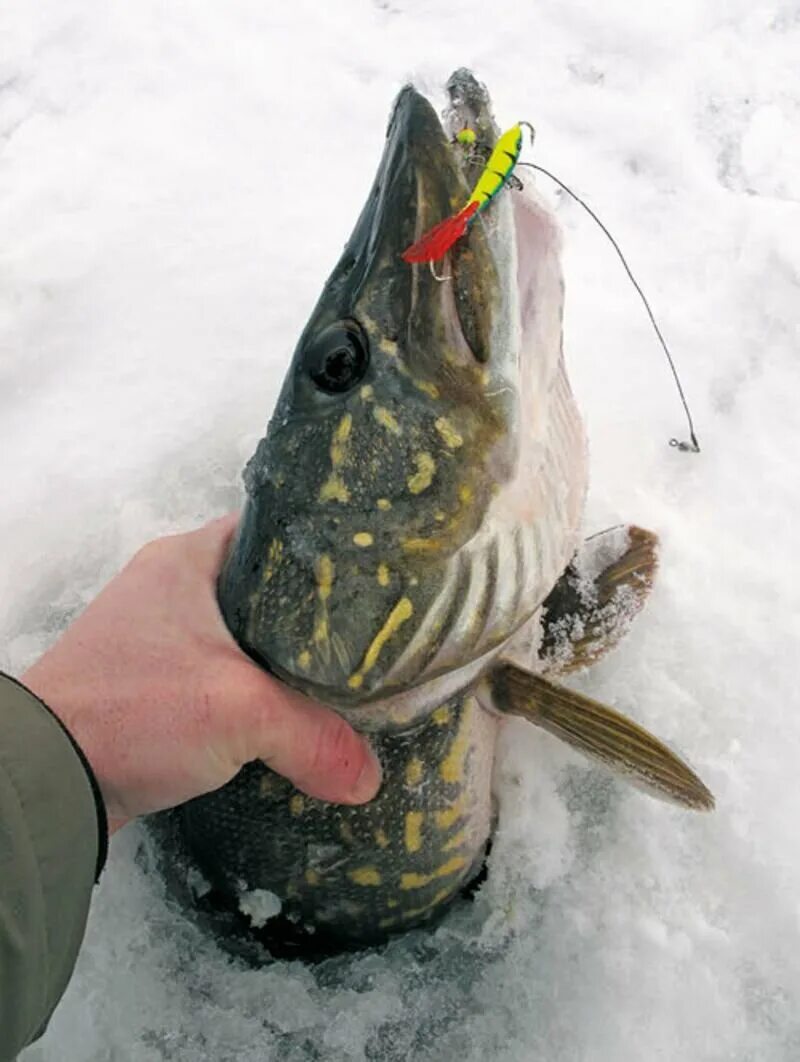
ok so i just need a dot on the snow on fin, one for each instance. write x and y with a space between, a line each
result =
601 733
591 607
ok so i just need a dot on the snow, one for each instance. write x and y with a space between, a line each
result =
176 181
259 905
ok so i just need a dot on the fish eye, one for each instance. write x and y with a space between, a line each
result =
338 357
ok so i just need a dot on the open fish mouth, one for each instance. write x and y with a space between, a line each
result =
381 546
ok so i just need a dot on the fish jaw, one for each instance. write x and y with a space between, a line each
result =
376 516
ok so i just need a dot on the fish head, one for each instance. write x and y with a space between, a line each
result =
396 429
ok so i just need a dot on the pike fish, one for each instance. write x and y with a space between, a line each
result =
409 553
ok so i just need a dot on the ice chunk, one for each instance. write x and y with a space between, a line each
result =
259 905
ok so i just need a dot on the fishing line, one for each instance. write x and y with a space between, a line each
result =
690 447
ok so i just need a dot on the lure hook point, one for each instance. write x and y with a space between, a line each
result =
436 276
531 130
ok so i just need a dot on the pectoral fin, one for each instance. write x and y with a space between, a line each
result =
601 733
592 605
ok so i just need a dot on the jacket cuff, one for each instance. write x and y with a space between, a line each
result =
53 839
99 803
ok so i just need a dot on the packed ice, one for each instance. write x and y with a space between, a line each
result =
259 905
176 181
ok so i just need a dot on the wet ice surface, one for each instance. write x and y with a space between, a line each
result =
175 183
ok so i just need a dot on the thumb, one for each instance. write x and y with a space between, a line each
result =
311 745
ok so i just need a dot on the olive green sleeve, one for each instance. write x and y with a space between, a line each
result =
53 838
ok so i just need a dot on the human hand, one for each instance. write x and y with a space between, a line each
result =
165 705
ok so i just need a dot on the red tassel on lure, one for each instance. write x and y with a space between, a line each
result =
436 242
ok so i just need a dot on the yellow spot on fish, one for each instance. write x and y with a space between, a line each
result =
415 911
419 881
383 574
392 903
448 433
363 538
388 346
451 768
423 477
273 557
447 816
413 831
366 392
386 420
414 769
304 660
266 786
334 489
439 516
325 574
402 611
384 504
365 876
296 805
381 839
442 715
422 545
312 877
456 841
465 494
340 437
429 389
346 832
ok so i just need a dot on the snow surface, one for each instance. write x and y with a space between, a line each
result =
176 181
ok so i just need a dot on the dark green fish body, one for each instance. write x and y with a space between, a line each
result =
417 497
349 876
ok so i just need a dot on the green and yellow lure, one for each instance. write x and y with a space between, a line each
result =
435 243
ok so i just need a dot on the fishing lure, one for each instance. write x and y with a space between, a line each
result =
496 174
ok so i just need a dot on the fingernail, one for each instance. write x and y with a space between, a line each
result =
368 782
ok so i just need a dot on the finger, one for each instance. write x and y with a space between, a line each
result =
209 544
312 746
